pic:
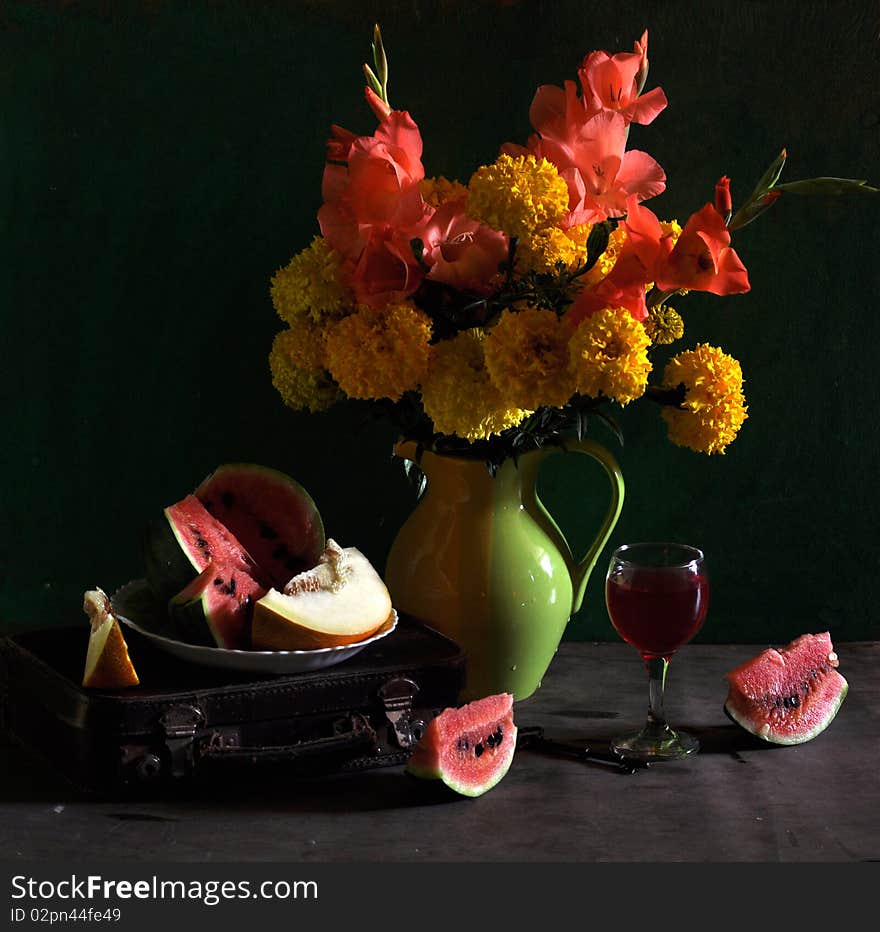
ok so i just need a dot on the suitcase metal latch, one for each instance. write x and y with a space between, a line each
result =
179 726
397 697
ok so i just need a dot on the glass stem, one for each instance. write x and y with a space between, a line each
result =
656 667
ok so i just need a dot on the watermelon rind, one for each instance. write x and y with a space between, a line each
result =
766 733
502 765
210 613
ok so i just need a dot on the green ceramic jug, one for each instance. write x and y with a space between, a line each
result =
481 560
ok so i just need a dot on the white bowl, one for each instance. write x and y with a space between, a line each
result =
136 608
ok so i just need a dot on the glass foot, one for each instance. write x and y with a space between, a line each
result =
651 745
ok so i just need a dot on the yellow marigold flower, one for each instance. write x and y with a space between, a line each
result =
672 229
605 263
664 325
458 394
305 344
541 251
379 352
714 408
437 191
300 388
310 285
609 356
527 358
518 196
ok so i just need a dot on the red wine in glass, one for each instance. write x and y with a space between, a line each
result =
657 596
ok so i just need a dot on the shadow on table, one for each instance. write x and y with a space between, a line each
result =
26 780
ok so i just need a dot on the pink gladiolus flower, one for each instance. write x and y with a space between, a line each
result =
702 259
614 82
461 251
372 206
376 104
386 269
585 136
591 158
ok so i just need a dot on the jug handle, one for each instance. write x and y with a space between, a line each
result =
580 571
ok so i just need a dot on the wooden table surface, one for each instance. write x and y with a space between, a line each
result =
737 800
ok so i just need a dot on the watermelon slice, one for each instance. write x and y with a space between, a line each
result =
184 541
470 749
272 515
790 695
216 608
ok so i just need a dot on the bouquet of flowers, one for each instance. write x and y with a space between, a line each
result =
497 316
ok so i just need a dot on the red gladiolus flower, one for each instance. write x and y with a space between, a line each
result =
723 200
702 259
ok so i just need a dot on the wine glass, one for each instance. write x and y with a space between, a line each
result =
657 596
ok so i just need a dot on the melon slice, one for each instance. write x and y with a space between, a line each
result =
789 695
108 665
215 609
342 600
182 543
271 514
470 749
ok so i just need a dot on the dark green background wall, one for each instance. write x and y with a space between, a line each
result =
159 160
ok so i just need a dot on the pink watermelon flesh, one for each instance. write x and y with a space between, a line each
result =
272 515
215 609
789 695
181 544
470 749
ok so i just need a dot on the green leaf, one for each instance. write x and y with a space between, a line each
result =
597 243
753 209
611 424
770 177
372 80
830 186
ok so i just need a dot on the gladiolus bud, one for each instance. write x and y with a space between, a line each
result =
723 201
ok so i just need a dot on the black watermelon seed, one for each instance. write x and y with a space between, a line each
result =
201 542
499 737
795 702
227 498
232 586
218 581
268 533
786 702
478 750
491 741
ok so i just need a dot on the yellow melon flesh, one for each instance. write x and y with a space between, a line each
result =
108 665
341 601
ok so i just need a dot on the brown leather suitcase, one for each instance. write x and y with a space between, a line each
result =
188 725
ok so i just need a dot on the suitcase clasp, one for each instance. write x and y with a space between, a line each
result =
179 725
397 697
